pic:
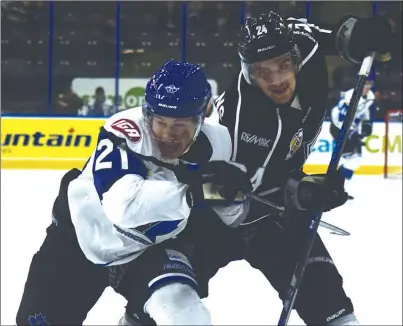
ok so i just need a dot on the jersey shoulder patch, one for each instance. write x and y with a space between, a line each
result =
129 128
129 125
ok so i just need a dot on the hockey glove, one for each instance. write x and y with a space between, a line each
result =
357 36
366 129
308 192
355 138
222 181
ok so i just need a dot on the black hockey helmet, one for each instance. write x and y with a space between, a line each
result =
266 37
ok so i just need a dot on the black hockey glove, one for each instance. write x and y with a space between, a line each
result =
357 36
308 192
355 138
215 181
366 129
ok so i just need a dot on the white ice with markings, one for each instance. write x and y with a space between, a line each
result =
370 260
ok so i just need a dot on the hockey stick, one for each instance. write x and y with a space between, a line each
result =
299 270
332 228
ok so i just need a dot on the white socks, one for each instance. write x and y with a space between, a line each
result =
177 304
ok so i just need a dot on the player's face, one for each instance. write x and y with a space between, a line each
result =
173 136
276 77
366 89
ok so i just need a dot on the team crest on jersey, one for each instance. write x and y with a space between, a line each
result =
129 128
295 143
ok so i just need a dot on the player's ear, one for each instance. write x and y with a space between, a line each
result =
209 110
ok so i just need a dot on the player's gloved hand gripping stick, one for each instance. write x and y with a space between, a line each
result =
217 182
333 229
316 216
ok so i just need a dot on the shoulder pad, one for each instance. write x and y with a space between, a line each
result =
220 140
129 125
348 94
371 95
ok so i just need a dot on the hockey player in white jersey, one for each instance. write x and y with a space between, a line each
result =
115 222
361 128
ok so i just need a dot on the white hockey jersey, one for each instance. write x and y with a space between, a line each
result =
122 204
363 112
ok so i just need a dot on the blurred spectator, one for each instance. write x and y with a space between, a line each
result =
24 19
227 17
388 81
291 9
171 18
395 18
194 19
223 16
251 8
100 105
69 103
84 45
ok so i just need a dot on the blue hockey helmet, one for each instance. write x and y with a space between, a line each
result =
176 99
178 90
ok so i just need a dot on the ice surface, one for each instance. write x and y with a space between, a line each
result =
370 260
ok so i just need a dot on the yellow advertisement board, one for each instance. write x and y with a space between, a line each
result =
47 143
65 143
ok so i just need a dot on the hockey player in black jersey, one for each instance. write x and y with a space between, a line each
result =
274 112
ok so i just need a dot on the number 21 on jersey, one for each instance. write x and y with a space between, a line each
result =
106 147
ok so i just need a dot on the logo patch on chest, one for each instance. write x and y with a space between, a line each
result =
295 143
256 140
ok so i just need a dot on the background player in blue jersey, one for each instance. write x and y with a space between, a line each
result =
361 128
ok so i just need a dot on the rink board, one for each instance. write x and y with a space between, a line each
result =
47 143
65 143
